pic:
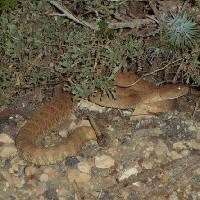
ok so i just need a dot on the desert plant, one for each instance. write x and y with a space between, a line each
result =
180 31
9 4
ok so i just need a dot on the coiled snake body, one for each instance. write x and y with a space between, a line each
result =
143 96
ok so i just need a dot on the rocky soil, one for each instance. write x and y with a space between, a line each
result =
154 158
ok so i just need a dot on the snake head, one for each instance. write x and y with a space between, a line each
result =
173 91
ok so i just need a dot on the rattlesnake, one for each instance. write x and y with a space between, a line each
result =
142 95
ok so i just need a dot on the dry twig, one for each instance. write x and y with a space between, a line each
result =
135 23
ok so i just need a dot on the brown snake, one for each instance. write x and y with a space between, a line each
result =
143 95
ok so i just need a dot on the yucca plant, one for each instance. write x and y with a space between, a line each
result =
180 31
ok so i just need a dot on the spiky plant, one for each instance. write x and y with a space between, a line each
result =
180 31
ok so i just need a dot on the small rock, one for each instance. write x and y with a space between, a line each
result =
63 133
17 165
127 173
52 173
72 126
8 152
50 193
179 145
173 196
12 180
78 177
113 151
91 106
40 189
62 192
166 176
6 139
104 161
174 155
110 128
194 144
71 161
30 171
185 152
44 178
161 148
147 164
84 167
192 128
125 193
198 135
84 123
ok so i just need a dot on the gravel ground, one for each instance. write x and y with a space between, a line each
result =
154 158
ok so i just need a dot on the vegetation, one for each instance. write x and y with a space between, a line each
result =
39 49
7 5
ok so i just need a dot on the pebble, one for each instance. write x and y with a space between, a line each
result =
84 167
52 173
173 196
44 177
192 128
8 152
6 139
79 177
84 123
63 133
161 148
179 145
194 144
185 152
91 106
104 161
127 173
71 161
30 171
12 180
198 134
175 155
147 164
40 189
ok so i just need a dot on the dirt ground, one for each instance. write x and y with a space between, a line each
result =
153 158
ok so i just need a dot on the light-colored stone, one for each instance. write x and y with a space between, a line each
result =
198 134
44 177
161 148
84 123
91 106
52 173
173 196
194 144
179 145
84 167
16 164
192 128
63 133
127 173
12 179
147 164
31 171
104 161
62 192
79 177
8 152
185 152
6 139
175 155
40 189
